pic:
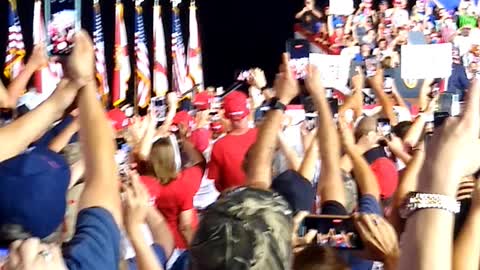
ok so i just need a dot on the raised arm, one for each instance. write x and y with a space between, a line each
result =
309 164
143 148
365 178
259 174
467 245
293 161
96 135
136 207
387 107
62 139
331 183
19 134
407 183
451 156
18 86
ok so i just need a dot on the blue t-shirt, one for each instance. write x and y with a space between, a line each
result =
161 256
55 131
96 243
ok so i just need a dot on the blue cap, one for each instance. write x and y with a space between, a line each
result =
33 189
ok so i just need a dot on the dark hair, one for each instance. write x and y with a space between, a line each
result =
318 258
10 233
401 129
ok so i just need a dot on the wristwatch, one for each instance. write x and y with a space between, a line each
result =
275 104
416 201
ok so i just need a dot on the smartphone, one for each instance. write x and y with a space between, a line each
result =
384 127
371 64
243 75
158 108
63 20
333 102
439 118
333 231
299 51
311 121
387 84
435 86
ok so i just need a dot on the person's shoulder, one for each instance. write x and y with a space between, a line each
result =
95 244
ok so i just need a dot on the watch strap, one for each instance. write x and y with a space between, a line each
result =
416 201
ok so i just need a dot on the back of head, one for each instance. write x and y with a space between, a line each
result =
366 125
244 229
164 160
33 190
318 258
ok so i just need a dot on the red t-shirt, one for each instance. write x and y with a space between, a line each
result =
228 153
176 197
387 176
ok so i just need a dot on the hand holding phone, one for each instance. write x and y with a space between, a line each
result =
371 64
158 108
332 231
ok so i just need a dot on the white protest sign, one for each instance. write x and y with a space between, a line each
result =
334 69
341 7
426 61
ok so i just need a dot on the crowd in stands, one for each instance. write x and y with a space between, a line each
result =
227 182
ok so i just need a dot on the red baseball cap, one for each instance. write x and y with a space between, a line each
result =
182 117
235 105
118 119
202 101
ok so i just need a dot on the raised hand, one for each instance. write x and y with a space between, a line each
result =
452 153
286 86
136 203
31 254
39 58
81 63
379 238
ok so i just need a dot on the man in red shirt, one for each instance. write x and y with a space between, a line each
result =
228 153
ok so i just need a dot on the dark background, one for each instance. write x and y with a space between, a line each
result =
235 34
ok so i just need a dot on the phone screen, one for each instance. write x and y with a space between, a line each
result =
371 66
388 84
311 122
384 127
158 108
333 231
63 19
299 51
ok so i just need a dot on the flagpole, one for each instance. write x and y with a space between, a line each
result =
135 83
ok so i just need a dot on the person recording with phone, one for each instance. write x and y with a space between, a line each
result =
310 16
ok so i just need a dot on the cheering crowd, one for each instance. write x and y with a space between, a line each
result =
227 181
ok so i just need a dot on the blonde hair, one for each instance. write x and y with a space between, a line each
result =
163 161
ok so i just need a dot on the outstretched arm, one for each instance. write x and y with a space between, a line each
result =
259 174
331 183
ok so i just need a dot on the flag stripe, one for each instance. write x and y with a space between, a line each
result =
15 52
122 71
100 65
160 79
143 64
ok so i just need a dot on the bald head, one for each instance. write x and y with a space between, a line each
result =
365 126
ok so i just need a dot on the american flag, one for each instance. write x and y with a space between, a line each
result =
101 68
15 47
143 65
160 79
194 60
122 71
47 78
179 70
